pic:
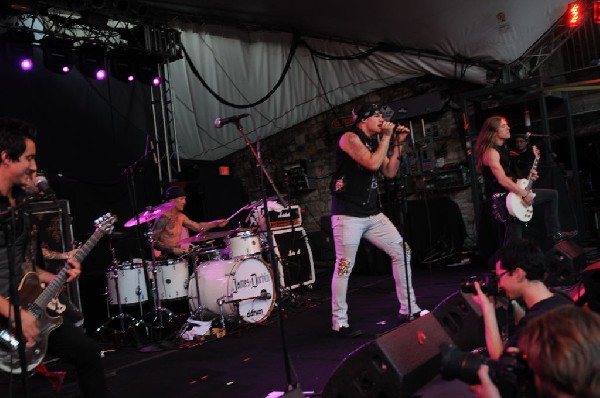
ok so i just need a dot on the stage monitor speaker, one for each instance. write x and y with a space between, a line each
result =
591 283
565 261
396 364
461 318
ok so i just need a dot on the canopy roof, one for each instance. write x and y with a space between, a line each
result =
243 50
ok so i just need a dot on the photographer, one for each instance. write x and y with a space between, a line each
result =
519 268
562 348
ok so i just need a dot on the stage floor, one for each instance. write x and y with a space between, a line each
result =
249 362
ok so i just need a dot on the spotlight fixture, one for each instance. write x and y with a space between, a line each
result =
147 70
57 54
18 49
122 65
91 61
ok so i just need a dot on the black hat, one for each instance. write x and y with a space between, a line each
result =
365 112
174 192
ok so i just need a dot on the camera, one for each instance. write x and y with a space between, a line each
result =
488 283
509 373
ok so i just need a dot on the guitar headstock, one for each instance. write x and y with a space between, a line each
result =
536 151
106 223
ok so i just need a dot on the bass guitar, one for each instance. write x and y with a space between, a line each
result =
35 300
514 203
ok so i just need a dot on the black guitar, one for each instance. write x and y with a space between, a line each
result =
35 300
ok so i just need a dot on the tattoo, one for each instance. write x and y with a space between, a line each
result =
343 268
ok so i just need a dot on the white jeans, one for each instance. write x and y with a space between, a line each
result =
379 230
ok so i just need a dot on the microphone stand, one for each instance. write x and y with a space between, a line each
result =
8 230
292 390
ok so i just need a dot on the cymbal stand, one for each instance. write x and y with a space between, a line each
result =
157 312
123 318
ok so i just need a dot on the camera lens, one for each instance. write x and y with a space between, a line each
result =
460 365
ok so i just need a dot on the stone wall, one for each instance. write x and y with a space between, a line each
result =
315 140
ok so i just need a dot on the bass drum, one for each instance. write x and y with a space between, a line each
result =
248 282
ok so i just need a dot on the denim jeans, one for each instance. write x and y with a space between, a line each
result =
379 230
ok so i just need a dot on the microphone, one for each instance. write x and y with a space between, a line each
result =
42 184
220 122
264 295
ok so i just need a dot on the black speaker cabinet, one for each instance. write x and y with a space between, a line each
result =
461 318
564 261
394 365
591 282
296 265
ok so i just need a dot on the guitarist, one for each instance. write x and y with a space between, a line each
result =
500 173
17 171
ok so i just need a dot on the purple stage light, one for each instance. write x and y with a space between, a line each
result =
101 74
26 64
156 81
66 69
130 78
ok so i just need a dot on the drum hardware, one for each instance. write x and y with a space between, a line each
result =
126 322
155 317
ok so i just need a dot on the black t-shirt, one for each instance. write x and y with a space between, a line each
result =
558 300
21 238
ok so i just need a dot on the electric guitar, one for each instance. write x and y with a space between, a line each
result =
35 300
514 203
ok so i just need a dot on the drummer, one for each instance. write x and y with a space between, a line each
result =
172 227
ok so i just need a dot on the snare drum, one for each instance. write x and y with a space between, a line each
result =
171 278
243 244
247 282
131 282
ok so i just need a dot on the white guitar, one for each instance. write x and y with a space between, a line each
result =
514 203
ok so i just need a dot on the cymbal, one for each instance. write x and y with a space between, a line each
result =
150 214
202 236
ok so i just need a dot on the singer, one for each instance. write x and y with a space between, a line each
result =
17 170
500 174
356 212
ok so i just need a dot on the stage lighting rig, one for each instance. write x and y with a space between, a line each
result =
58 54
18 49
91 61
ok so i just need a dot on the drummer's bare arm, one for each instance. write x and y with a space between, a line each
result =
204 226
162 240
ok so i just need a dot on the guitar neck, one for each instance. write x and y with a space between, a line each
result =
533 168
61 278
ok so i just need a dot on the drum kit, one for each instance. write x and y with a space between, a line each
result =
223 274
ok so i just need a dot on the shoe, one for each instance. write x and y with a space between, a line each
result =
347 332
560 236
407 318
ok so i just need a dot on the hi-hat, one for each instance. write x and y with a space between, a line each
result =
150 214
203 236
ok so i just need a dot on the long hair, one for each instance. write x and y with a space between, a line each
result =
562 348
487 138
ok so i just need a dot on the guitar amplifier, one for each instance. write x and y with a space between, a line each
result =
294 257
278 219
